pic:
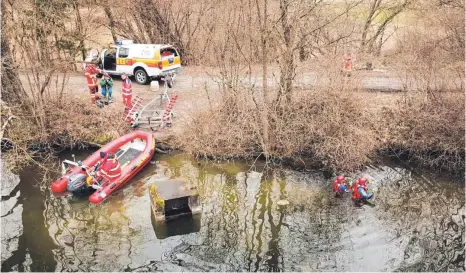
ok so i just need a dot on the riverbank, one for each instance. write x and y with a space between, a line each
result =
342 129
338 129
62 123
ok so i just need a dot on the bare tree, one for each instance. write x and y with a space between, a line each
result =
262 15
304 24
287 66
12 90
111 20
79 26
381 14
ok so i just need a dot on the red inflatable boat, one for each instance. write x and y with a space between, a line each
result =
133 152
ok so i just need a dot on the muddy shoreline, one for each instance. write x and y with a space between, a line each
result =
302 163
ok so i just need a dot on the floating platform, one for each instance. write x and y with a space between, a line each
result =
171 199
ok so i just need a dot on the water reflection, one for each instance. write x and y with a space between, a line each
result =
34 247
179 226
431 227
415 224
11 212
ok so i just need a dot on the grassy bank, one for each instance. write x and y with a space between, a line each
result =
427 128
343 129
337 128
60 124
335 124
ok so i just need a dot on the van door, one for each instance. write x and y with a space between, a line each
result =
109 59
123 62
170 58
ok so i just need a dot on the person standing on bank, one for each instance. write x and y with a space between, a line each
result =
127 91
91 72
106 83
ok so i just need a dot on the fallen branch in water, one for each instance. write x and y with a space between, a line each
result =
90 143
19 151
161 151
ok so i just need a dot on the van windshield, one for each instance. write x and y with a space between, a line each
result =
123 52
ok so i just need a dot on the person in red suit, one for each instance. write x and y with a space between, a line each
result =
108 168
360 191
127 91
339 186
348 58
91 72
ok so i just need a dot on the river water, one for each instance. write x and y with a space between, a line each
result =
415 223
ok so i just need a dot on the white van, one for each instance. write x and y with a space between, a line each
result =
143 61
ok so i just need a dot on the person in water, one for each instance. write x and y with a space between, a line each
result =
360 191
339 186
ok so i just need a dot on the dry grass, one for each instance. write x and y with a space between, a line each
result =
71 123
430 128
330 126
341 129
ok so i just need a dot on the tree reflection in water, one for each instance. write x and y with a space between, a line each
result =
414 225
429 219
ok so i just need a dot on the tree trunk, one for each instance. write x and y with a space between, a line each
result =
12 90
264 50
140 29
375 5
79 24
378 49
111 21
287 62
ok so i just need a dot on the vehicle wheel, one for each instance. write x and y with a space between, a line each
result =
140 76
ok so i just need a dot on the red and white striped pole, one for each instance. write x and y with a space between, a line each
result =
166 114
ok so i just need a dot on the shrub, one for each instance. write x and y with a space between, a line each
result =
430 128
330 126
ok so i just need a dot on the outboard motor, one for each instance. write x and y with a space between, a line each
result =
77 182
